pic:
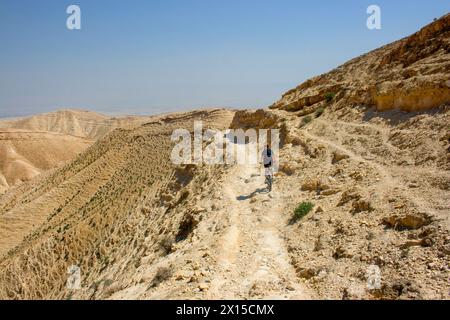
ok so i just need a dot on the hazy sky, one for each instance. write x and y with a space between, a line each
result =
144 56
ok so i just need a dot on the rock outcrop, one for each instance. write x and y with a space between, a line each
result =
412 74
260 119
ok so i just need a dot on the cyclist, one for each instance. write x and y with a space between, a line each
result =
268 162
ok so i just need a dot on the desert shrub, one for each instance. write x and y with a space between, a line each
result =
329 96
111 289
108 282
319 111
186 227
302 210
166 245
306 120
162 274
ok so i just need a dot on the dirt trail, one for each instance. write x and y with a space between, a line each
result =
252 258
388 179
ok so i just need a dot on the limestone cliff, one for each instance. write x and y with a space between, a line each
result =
412 74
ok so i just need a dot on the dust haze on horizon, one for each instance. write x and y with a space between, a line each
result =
147 58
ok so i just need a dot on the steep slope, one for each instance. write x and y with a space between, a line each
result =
412 74
108 211
368 143
31 145
381 199
236 250
25 154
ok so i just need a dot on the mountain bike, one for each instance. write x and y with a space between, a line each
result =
269 182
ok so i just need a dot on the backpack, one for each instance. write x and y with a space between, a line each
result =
267 158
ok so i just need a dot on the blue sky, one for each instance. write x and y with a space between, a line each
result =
146 57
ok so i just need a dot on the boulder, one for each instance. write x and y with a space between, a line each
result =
409 221
361 205
348 195
338 156
314 184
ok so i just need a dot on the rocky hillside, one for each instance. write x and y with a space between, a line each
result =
380 199
25 154
32 145
412 74
115 207
79 123
363 185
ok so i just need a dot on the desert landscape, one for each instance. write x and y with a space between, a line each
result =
32 145
366 144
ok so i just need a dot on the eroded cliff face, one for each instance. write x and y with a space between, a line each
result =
419 98
261 119
412 74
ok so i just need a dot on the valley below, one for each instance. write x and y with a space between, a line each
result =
366 146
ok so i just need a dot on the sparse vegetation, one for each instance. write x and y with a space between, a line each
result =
162 274
187 225
108 282
166 245
319 111
306 120
329 96
302 210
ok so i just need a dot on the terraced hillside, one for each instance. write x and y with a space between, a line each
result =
78 123
104 211
25 154
32 145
